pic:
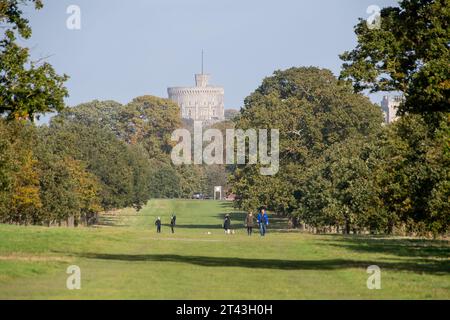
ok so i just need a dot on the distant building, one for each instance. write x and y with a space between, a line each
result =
390 105
200 103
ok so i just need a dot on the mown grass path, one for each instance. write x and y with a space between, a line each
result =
125 258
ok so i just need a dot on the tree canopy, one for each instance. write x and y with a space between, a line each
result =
27 87
408 53
313 112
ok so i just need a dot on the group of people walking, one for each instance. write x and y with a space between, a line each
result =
262 220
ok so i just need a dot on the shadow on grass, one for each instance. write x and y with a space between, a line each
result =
110 221
236 217
426 266
417 248
228 204
276 224
196 226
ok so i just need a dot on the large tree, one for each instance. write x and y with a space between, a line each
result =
313 112
105 114
26 87
150 121
19 178
414 176
408 53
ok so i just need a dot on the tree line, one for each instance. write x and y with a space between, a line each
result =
93 157
341 168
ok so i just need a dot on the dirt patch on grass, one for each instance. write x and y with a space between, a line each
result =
186 239
33 258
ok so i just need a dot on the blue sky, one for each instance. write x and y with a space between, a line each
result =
131 48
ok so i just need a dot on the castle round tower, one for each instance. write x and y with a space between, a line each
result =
200 103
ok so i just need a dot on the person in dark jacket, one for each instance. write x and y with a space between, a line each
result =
227 224
174 219
249 223
158 225
263 221
172 223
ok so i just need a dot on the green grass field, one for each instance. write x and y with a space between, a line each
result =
125 258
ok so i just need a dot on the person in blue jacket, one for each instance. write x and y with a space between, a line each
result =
158 225
263 221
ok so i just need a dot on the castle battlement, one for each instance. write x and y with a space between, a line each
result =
201 102
194 90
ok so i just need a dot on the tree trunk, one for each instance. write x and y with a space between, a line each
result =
347 226
71 222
